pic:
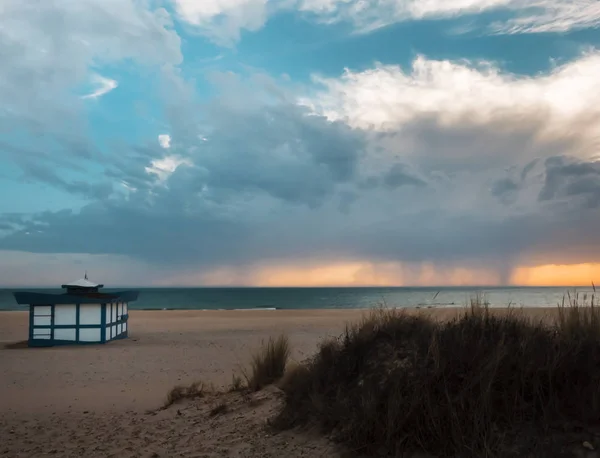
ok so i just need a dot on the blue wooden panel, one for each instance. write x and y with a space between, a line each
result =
103 324
52 323
77 314
56 343
30 323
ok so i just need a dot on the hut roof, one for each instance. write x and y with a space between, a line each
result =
26 298
82 283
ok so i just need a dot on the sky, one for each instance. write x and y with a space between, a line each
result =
300 142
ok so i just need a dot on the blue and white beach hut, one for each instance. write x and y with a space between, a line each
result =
80 315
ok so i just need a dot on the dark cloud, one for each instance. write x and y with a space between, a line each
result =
571 178
130 168
123 230
504 186
280 151
21 154
163 232
44 174
368 183
469 145
205 233
347 198
506 190
528 168
398 176
14 219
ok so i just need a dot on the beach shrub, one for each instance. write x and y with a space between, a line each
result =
180 392
268 364
579 314
237 383
219 409
482 384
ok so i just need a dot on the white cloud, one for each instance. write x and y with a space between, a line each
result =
164 140
164 167
465 125
223 20
566 101
128 187
198 12
526 16
104 86
382 12
48 49
538 16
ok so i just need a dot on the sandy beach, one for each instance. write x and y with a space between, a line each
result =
94 400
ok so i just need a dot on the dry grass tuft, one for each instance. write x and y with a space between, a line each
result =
482 384
219 409
180 392
237 384
268 365
579 314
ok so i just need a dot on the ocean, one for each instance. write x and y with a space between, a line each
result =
325 298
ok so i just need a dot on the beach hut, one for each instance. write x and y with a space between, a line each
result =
79 315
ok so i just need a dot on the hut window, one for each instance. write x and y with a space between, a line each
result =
42 315
90 314
65 314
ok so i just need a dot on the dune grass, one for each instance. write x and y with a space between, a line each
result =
482 384
237 384
579 314
268 364
267 367
181 392
219 409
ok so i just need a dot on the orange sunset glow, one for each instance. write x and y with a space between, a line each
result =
557 275
393 274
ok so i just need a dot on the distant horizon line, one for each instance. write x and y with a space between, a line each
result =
306 287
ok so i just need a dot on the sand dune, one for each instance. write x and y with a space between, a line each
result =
186 430
92 400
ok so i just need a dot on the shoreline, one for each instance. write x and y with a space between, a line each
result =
451 306
14 323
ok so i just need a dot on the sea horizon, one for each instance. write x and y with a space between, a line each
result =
120 286
324 297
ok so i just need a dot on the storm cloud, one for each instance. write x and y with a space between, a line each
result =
264 180
456 163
